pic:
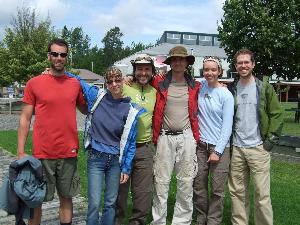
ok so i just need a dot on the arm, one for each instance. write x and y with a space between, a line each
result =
126 167
83 108
226 129
155 80
23 130
81 103
90 93
131 148
275 115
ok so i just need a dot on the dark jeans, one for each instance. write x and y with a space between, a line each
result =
210 209
141 181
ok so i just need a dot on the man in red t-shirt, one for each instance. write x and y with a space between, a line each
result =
53 99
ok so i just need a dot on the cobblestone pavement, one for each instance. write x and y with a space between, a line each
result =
50 209
11 122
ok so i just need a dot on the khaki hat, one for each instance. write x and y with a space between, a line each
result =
180 51
142 59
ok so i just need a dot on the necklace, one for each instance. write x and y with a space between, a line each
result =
142 94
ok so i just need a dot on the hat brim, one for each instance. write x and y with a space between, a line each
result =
190 59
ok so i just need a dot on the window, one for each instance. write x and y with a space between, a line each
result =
173 38
201 73
216 41
189 39
205 40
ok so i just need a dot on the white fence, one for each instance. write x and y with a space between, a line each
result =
6 104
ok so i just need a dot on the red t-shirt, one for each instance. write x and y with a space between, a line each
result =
55 128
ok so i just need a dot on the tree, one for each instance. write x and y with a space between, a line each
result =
79 45
270 28
113 46
24 48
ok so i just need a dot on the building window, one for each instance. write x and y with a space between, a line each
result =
201 73
216 41
189 39
205 40
173 38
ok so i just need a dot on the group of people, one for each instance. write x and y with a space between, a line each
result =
138 135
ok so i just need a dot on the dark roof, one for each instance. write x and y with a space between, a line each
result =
198 50
88 75
191 33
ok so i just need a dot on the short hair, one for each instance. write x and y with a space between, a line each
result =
112 72
244 51
58 41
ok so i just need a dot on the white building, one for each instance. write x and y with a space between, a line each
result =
197 44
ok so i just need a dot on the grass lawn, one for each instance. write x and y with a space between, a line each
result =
290 127
285 178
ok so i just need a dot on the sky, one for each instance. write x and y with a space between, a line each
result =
139 20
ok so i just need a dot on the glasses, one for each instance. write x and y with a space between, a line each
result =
61 54
240 63
117 81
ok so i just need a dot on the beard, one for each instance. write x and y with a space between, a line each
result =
58 68
143 80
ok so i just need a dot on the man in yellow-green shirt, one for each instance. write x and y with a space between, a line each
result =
141 179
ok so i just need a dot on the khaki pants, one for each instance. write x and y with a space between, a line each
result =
174 152
254 161
141 181
210 209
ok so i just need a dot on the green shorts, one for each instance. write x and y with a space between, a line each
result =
62 174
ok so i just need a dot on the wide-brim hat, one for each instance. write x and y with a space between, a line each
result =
180 51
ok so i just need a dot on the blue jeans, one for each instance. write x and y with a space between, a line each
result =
102 166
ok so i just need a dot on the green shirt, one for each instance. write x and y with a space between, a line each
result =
144 97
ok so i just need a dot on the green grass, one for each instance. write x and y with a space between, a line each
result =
290 127
285 178
285 185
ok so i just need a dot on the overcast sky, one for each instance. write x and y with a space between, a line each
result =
139 20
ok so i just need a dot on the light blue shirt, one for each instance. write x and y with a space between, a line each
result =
215 114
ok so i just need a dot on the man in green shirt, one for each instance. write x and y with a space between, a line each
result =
141 179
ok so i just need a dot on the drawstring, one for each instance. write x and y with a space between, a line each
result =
142 94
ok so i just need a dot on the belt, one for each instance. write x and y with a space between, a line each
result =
138 145
207 145
171 132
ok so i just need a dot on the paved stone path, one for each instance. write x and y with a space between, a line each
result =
11 122
50 209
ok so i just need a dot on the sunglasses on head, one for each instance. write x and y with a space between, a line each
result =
214 59
61 54
147 58
116 81
211 57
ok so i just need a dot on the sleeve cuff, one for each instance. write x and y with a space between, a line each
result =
218 153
